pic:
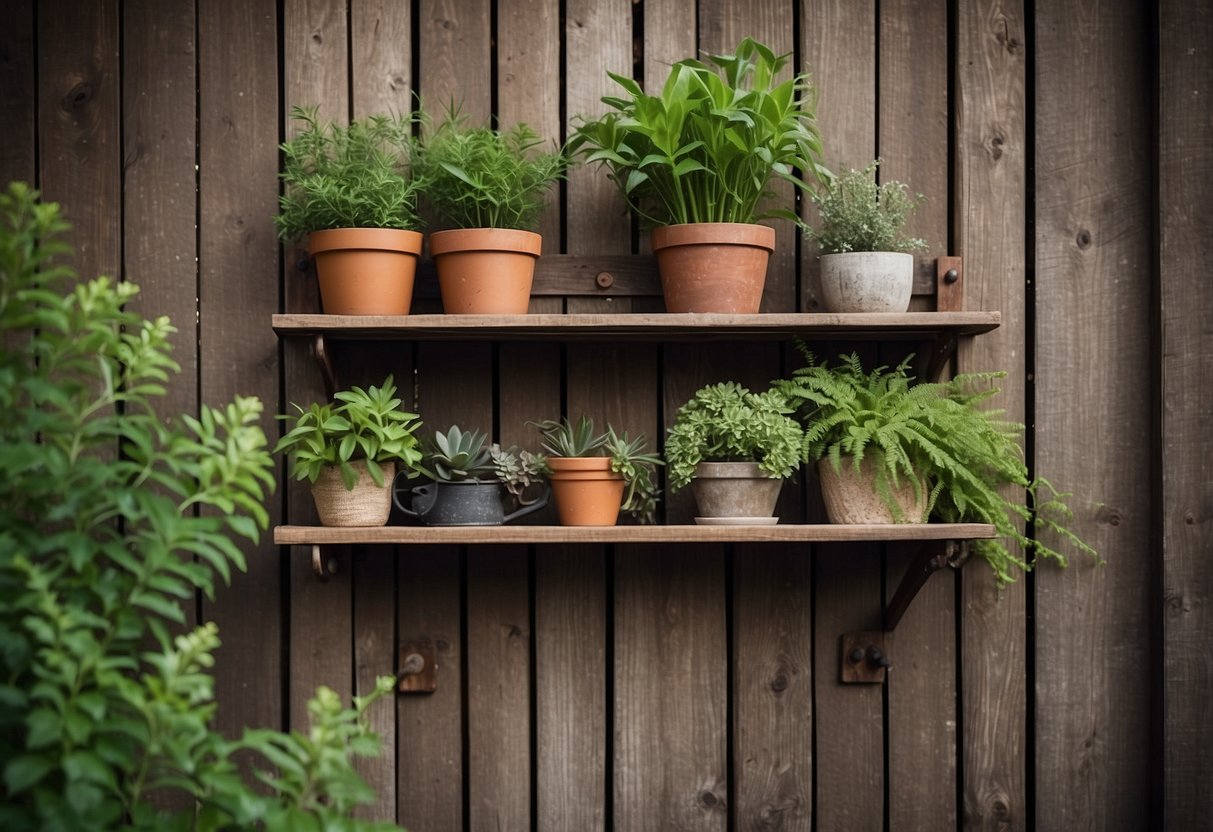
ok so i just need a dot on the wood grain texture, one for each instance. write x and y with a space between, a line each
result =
429 741
381 44
913 147
772 688
455 57
570 674
838 47
237 287
79 128
1186 245
1093 345
989 216
18 94
315 72
670 679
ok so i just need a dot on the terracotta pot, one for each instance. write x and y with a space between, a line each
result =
713 266
365 271
485 271
586 491
867 281
851 498
367 505
734 489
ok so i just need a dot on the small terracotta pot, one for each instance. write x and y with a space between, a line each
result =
485 271
586 491
851 497
367 505
365 271
713 266
734 489
867 281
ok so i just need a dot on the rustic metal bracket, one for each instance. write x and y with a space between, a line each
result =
324 563
417 673
320 351
949 297
857 661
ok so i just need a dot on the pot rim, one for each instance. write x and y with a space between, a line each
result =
506 240
372 239
713 233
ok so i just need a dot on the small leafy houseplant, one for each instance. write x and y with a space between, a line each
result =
735 448
487 188
352 191
348 451
469 478
866 260
596 475
697 162
108 698
923 450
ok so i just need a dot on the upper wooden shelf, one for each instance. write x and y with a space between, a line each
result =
792 533
638 327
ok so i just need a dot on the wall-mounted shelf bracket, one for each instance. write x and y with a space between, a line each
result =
417 668
324 358
862 657
324 562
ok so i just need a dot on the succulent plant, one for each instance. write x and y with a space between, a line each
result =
460 455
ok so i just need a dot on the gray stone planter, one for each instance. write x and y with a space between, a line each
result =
734 489
867 281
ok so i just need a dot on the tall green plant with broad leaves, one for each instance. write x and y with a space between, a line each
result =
939 437
110 519
708 147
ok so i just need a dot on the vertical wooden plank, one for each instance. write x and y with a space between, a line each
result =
315 71
238 283
989 233
381 67
921 694
78 127
670 675
18 87
849 754
1093 292
1186 184
773 688
456 61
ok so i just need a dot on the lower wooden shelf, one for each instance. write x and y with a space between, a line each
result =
438 535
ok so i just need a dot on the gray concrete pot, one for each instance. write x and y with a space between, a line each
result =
734 489
867 281
850 496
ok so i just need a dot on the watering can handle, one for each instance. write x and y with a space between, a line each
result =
420 490
526 507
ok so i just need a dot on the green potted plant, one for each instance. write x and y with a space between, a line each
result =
486 188
595 476
735 448
470 478
696 162
349 450
352 192
866 259
889 451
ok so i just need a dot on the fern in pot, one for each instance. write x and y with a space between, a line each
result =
486 189
349 451
867 264
735 448
594 476
696 162
470 480
888 450
351 191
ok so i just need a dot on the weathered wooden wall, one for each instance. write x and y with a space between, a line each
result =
1067 150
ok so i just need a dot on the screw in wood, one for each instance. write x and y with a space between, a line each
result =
605 280
951 276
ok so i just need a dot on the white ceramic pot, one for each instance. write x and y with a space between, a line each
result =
867 281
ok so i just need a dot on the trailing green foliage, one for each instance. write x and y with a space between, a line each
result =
628 458
727 423
362 424
939 438
708 147
355 176
859 215
484 178
110 518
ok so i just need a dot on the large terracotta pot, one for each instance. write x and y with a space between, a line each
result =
365 271
713 266
367 505
586 491
867 281
485 271
734 489
851 498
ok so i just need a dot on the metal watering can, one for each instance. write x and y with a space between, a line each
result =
464 503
